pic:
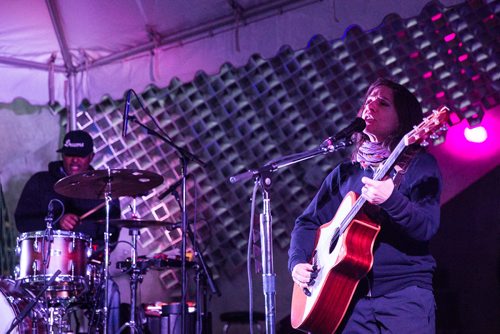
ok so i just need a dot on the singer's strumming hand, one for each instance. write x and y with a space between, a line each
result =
304 274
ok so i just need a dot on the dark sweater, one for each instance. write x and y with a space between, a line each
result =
409 218
33 204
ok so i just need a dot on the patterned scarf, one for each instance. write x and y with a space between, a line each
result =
371 154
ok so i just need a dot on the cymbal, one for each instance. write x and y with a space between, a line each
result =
139 223
96 184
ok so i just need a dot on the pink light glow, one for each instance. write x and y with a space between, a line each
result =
476 77
440 95
450 37
414 54
450 52
476 135
427 75
488 18
463 57
454 119
436 17
457 146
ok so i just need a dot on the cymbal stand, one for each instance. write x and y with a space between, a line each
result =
135 278
107 197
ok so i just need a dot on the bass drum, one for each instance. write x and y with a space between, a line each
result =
13 300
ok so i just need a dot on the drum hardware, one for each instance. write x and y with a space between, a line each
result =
17 320
108 184
163 317
203 272
140 223
135 278
14 299
158 262
58 320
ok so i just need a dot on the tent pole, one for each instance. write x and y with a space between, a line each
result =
72 102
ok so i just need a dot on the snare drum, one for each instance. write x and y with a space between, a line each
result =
40 258
13 300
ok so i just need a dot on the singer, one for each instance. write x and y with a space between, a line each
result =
396 295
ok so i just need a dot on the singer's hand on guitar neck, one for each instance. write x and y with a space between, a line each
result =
377 192
69 221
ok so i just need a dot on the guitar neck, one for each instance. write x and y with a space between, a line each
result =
390 161
379 175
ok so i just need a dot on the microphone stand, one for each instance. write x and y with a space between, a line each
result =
184 157
201 262
262 175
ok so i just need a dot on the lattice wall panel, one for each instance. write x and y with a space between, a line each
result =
242 117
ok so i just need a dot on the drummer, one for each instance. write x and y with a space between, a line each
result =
33 207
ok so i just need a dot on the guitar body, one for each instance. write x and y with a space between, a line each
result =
341 268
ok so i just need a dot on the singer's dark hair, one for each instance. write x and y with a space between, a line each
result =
409 113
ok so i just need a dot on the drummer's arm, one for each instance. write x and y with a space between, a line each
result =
31 210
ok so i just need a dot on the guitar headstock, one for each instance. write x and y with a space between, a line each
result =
431 126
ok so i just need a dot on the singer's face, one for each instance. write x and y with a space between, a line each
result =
73 165
380 114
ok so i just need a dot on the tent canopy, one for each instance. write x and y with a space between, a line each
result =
110 46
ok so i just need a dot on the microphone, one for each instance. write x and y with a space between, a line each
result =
125 114
49 220
172 188
357 125
50 209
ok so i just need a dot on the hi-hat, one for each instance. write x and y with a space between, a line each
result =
96 184
139 223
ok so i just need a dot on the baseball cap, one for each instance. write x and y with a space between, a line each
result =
77 143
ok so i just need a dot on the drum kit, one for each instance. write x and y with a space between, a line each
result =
57 270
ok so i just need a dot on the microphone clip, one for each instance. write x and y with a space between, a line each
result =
49 220
332 146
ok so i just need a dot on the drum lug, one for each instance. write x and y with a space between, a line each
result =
35 267
17 271
18 250
71 268
71 246
35 246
